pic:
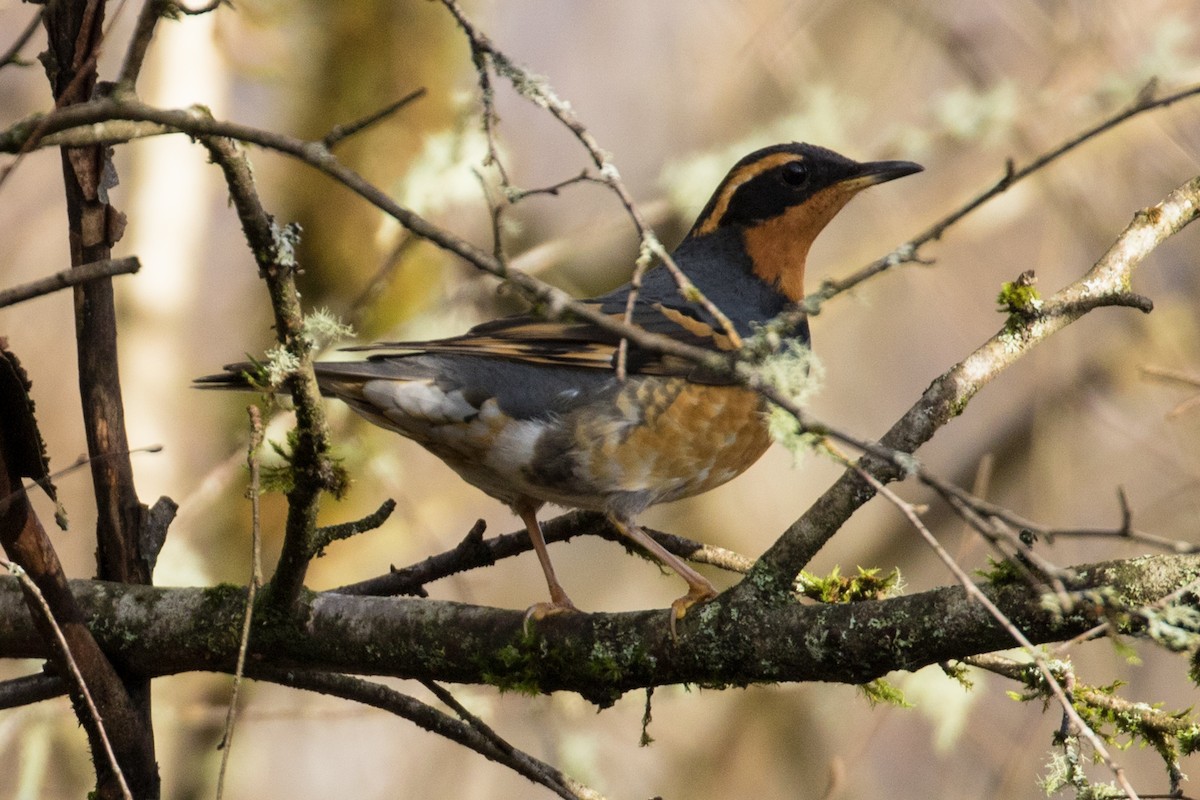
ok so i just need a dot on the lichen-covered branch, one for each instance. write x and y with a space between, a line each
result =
1107 282
729 641
313 470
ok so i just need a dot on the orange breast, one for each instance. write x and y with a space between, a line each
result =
659 439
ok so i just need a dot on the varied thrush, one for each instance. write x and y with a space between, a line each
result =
532 411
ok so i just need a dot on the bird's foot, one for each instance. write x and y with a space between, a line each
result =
539 611
697 593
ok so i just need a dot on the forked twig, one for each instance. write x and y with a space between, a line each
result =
973 591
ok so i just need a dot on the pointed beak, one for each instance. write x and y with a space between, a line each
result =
873 172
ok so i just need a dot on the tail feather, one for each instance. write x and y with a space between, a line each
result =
239 376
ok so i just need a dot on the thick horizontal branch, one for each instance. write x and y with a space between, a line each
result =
157 631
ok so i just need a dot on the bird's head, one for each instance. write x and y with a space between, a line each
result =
779 198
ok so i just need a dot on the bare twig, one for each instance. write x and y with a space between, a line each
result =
254 493
340 132
82 461
466 716
429 718
1018 636
325 536
67 660
1125 530
69 277
13 54
907 252
484 53
474 552
29 689
553 189
143 31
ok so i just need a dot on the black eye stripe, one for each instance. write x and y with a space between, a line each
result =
794 173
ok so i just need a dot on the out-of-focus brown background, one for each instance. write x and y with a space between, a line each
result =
676 90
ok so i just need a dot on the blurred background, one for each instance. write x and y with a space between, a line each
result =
676 91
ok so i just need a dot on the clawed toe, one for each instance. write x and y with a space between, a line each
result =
698 594
539 611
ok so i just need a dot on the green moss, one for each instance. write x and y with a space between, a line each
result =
516 667
1020 297
960 673
868 584
880 691
1000 573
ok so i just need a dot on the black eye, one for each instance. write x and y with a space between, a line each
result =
794 173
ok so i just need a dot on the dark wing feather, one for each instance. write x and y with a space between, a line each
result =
717 264
580 344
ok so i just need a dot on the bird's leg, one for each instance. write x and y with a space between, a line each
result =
699 589
559 602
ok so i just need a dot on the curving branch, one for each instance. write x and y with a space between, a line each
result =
1146 100
474 552
1105 283
470 732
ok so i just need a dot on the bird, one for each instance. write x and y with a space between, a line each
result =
533 411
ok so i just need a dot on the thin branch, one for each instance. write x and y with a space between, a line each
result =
30 689
907 252
67 660
143 31
474 552
516 195
82 461
13 54
485 730
432 720
1125 530
69 277
974 593
537 90
254 493
117 119
340 132
328 534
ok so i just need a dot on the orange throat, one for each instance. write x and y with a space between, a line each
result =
778 248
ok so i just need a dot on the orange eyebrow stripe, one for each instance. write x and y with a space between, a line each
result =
735 181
